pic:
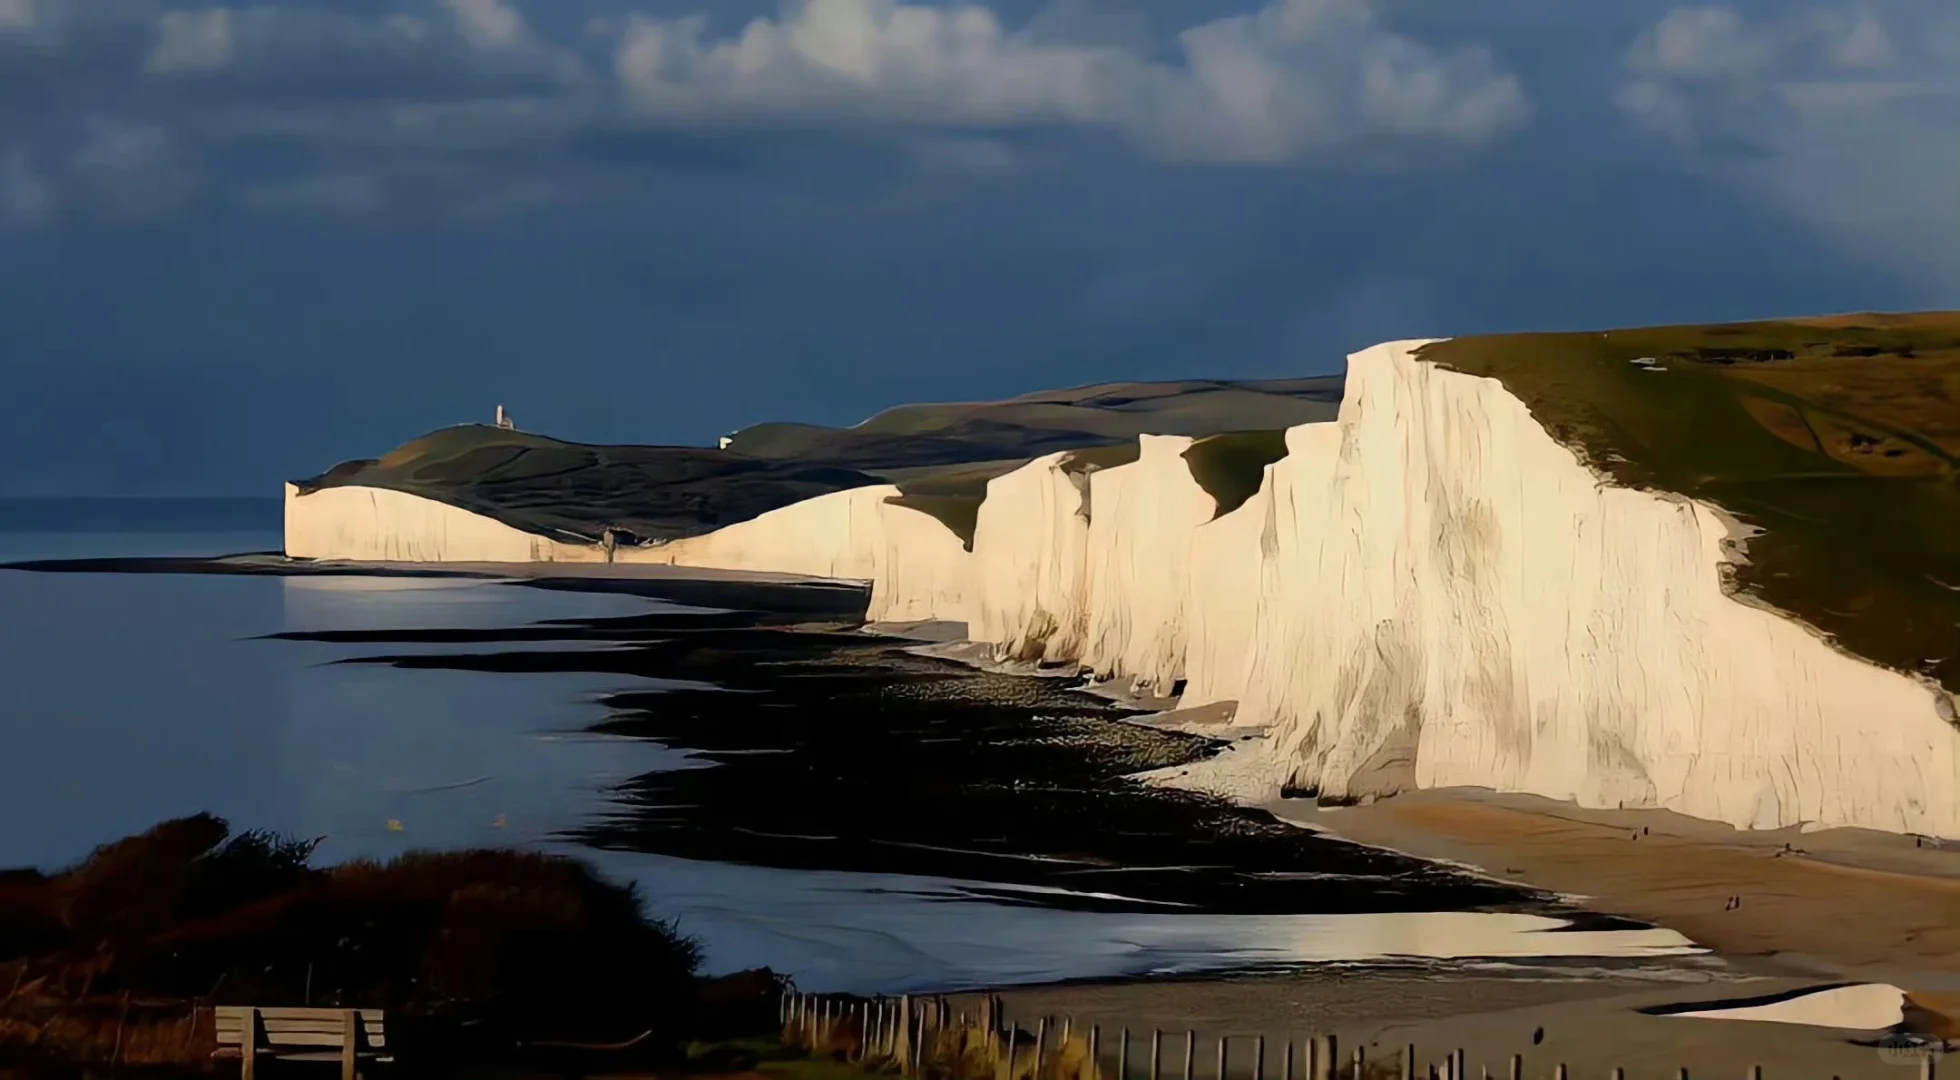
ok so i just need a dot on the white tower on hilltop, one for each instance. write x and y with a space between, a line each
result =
504 421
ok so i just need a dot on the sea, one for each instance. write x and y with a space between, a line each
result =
127 698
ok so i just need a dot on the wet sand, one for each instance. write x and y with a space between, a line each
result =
1842 904
1591 1024
1833 906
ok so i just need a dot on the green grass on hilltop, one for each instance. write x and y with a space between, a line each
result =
953 493
575 491
1838 437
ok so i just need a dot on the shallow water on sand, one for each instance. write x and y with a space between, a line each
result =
129 698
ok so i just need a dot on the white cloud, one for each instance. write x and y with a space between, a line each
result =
318 53
1846 110
1701 43
25 197
488 24
17 14
1295 76
192 41
360 91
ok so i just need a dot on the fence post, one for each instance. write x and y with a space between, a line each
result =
1360 1072
905 1035
1095 1052
1619 1073
1286 1062
1333 1062
1040 1043
1517 1067
919 1043
1156 1053
1259 1058
1409 1062
1123 1056
1223 1042
1190 1053
1013 1044
1561 1070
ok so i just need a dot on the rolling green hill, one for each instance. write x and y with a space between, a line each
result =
574 492
940 456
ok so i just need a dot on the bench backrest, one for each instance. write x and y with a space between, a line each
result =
299 1027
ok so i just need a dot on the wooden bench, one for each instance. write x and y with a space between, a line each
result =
292 1034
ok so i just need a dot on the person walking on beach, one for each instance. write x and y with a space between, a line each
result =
610 541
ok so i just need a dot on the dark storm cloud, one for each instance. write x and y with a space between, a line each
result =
242 242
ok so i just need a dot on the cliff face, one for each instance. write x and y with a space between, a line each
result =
1029 560
367 524
1429 591
917 568
1452 598
1142 518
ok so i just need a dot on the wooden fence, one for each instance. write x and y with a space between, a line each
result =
924 1038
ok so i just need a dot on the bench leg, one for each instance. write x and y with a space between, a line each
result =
248 1049
350 1039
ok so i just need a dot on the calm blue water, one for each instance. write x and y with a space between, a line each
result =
129 698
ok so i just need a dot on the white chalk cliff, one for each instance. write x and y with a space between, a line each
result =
1428 591
367 524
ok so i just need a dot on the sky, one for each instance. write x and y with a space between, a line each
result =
239 243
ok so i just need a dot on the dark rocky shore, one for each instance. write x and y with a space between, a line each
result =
822 746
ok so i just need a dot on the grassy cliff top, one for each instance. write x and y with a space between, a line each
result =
1838 438
940 456
574 492
1031 425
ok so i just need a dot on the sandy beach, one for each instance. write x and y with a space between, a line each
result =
1780 911
1592 1024
1831 907
1841 904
